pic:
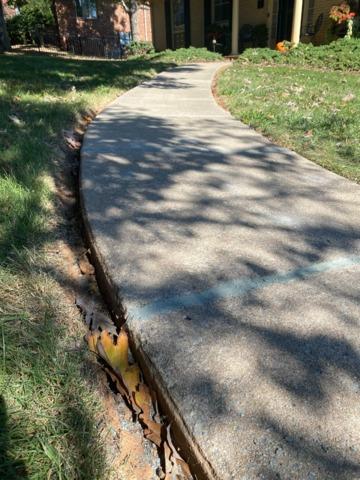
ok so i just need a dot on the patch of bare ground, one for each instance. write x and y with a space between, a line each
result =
129 456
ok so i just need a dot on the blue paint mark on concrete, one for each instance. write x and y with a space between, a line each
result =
236 288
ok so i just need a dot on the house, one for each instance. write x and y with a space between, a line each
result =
93 20
9 10
236 24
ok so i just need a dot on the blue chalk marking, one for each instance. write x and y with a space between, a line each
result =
236 288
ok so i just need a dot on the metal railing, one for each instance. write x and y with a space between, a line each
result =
112 46
106 47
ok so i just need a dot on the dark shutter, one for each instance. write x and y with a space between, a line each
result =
168 24
187 23
274 20
207 20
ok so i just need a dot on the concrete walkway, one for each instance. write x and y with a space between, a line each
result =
239 265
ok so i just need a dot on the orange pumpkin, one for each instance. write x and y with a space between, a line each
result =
280 47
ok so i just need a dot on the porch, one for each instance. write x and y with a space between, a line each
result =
232 25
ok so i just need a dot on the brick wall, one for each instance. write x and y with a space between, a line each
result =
8 10
312 14
111 19
322 8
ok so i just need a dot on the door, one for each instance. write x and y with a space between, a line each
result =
285 18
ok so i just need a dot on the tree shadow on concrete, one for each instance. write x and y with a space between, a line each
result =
174 212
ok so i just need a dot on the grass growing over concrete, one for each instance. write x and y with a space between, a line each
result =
48 405
307 110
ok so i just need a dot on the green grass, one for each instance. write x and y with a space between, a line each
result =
48 408
312 112
46 94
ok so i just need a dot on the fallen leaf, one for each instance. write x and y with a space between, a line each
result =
16 120
96 321
85 266
120 388
92 339
114 350
116 355
71 140
143 401
131 379
168 462
180 468
348 97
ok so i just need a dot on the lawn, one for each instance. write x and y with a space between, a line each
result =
49 408
302 101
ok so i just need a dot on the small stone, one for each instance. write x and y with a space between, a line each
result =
187 317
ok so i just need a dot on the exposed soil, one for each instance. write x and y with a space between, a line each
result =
219 100
129 455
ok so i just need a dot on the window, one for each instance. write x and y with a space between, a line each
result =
86 8
222 10
178 12
309 28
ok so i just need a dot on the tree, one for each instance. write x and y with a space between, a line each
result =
4 38
131 7
34 19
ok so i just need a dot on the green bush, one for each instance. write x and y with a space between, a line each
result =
16 30
140 48
342 54
30 25
191 54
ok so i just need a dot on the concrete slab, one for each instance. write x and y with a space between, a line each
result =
239 264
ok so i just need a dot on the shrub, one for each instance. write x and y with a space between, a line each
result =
191 54
140 48
16 30
34 19
343 54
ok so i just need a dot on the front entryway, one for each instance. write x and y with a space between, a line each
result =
285 16
178 23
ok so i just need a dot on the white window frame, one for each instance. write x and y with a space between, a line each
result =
92 10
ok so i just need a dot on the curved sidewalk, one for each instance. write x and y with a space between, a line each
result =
239 265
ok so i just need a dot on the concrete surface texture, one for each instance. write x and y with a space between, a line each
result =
239 264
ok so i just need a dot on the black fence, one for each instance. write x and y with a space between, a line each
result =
114 46
106 47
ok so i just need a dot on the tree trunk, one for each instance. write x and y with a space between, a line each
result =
134 20
56 20
4 38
